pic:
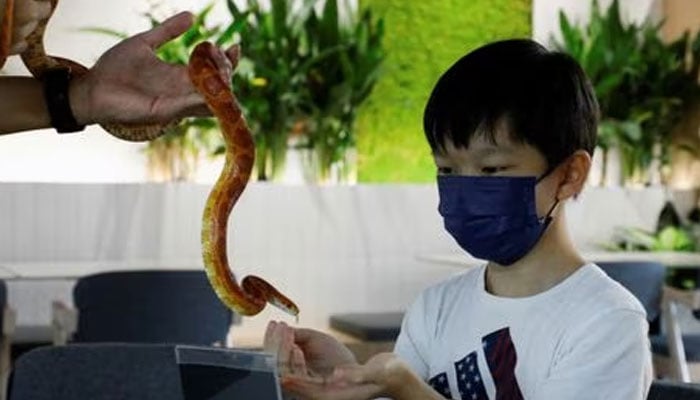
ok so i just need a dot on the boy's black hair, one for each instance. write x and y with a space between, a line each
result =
544 97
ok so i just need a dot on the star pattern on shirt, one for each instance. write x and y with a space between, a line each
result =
441 385
469 382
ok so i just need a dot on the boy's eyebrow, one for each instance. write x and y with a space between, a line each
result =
488 150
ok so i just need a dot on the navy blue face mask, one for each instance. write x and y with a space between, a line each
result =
492 218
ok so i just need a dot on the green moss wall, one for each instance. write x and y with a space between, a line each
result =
422 39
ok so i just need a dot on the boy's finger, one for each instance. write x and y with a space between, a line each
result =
267 341
286 345
298 361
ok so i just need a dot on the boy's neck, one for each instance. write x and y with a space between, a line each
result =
551 261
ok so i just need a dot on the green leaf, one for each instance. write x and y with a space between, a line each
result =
104 31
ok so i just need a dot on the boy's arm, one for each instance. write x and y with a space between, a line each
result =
406 385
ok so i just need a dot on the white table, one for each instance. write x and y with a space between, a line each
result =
74 270
669 259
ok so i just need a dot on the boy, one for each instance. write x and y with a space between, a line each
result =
512 128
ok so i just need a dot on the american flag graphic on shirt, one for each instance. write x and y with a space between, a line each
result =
501 359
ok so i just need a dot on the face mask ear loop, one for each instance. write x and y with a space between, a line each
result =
548 217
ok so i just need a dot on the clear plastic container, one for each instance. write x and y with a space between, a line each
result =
211 373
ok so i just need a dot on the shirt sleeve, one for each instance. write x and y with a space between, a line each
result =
608 359
412 344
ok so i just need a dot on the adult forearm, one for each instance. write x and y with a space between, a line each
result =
22 105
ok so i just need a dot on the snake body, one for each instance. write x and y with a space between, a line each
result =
250 297
38 61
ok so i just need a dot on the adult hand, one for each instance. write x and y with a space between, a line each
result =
130 85
27 15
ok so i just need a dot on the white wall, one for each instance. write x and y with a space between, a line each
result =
545 14
332 249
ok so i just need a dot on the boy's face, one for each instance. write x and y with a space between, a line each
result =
505 158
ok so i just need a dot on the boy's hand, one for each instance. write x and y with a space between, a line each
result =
382 375
305 351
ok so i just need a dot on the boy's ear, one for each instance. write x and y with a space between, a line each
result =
575 176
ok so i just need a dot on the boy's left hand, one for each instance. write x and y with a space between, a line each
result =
380 376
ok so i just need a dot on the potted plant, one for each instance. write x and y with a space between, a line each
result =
345 59
303 74
270 76
643 85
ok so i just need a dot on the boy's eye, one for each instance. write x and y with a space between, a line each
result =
444 170
492 170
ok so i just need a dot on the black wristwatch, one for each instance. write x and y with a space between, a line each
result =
56 82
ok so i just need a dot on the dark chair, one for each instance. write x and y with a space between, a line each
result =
678 354
645 280
368 333
109 371
372 327
161 306
665 390
7 328
673 358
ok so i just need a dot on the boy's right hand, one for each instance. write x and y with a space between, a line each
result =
305 351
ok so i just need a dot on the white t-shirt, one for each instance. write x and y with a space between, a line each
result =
585 338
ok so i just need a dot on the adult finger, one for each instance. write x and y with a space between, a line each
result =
22 31
31 10
168 30
233 54
18 47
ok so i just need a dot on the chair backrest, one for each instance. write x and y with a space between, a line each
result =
666 390
644 279
3 301
118 371
96 371
150 307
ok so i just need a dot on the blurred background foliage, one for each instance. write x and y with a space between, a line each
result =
422 40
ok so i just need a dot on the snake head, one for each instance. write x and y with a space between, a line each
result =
207 59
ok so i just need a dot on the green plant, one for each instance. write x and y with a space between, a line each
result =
643 84
343 67
304 71
421 40
668 239
174 155
271 75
